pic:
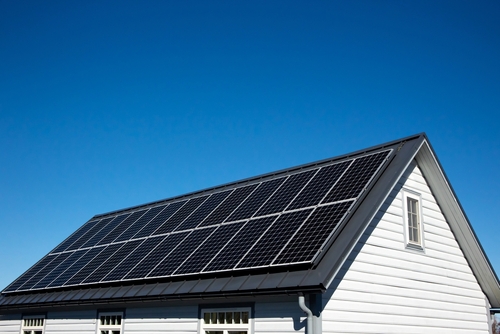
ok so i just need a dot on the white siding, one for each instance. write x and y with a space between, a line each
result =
10 324
387 288
82 322
174 319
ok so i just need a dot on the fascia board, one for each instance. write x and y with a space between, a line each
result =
353 230
459 223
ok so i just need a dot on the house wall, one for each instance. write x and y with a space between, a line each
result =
386 288
271 315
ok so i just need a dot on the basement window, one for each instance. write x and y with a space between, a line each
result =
226 321
110 323
413 220
33 325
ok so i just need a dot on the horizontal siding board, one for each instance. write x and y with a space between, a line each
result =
386 288
10 326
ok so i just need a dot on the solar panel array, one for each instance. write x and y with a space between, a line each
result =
281 220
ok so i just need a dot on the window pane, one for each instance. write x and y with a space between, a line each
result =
229 317
244 317
221 317
237 317
213 318
206 317
237 332
213 332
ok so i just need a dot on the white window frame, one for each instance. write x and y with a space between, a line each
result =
225 327
109 328
33 324
410 244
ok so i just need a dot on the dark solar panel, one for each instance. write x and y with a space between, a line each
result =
58 270
46 270
173 260
256 199
75 236
87 256
313 233
30 272
180 215
217 240
108 233
92 265
133 259
227 207
159 220
89 234
322 182
205 237
139 223
356 178
273 240
240 244
203 210
112 261
286 193
159 253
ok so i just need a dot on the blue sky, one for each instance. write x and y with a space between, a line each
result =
109 104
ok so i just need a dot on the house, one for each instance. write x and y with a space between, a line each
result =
370 242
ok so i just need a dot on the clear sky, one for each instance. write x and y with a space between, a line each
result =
110 104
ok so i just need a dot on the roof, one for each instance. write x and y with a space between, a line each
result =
285 232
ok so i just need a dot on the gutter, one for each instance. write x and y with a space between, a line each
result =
309 313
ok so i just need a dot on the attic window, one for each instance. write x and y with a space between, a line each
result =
225 321
110 323
413 219
33 325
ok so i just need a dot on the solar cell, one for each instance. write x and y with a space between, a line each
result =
273 240
154 257
256 199
105 231
313 233
157 221
322 182
92 265
112 261
89 234
180 215
121 227
88 255
286 193
139 223
212 245
30 272
232 253
133 259
44 271
232 202
173 260
356 178
58 270
75 236
203 210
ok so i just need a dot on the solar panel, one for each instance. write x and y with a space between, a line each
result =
286 193
149 262
75 236
87 256
90 266
232 202
203 211
278 220
356 178
270 244
232 253
173 260
132 259
180 215
248 208
133 228
212 245
159 220
313 233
